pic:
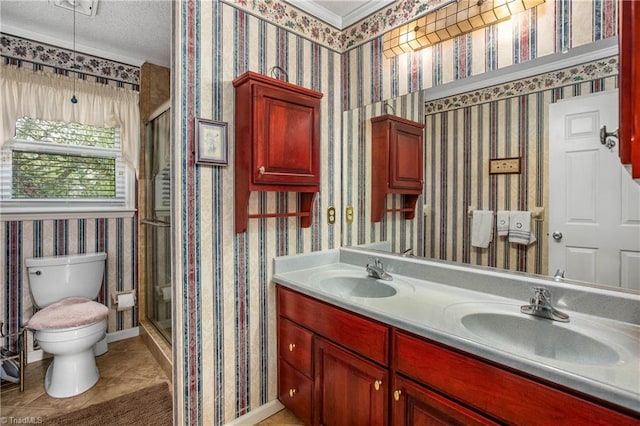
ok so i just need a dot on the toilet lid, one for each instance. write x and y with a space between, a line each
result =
67 313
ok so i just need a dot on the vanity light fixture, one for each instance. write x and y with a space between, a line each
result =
451 21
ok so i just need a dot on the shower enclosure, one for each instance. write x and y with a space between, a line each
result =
156 221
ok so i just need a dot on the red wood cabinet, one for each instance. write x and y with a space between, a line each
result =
337 367
413 404
363 336
277 142
343 355
396 163
629 85
295 380
295 391
493 390
349 390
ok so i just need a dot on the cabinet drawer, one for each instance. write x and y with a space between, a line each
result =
493 390
295 391
294 345
365 337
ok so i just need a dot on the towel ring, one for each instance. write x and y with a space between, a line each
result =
281 71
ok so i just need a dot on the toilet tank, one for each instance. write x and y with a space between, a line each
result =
54 278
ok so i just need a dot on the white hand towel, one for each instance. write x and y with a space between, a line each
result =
481 228
520 228
166 293
503 223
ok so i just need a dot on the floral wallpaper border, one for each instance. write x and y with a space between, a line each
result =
57 57
585 72
280 13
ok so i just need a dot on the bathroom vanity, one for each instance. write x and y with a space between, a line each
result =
414 350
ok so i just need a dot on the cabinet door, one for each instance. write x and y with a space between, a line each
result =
350 390
412 404
286 149
405 156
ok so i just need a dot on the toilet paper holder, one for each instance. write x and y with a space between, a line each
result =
123 300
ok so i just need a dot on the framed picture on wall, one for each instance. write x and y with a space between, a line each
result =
211 142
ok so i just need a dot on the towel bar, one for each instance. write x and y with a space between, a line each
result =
537 213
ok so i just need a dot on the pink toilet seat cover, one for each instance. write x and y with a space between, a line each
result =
67 313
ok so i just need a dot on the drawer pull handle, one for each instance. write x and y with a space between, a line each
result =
292 346
292 392
396 395
377 384
261 170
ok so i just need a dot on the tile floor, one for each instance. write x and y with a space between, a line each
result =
141 370
127 366
282 418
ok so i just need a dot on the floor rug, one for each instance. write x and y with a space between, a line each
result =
150 405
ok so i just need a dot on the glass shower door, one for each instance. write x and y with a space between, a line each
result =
156 223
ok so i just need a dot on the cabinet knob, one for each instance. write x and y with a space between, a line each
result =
292 346
292 392
396 394
261 170
377 384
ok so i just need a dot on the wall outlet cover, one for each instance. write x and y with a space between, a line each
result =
331 215
349 215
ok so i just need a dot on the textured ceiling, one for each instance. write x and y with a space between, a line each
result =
135 32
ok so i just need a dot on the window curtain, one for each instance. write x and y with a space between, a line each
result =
47 96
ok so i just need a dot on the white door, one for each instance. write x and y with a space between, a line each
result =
594 205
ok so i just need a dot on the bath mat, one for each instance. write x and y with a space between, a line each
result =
150 405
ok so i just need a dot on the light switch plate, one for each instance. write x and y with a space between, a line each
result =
504 165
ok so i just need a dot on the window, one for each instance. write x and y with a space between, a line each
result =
58 166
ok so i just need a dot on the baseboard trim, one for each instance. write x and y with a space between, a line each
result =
123 334
259 414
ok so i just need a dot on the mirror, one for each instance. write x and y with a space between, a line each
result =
494 121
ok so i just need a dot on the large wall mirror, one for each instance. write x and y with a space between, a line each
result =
514 112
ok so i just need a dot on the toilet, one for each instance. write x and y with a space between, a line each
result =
69 322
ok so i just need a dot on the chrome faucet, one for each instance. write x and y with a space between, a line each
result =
408 252
541 306
559 275
376 270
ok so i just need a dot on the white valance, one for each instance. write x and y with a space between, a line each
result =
47 96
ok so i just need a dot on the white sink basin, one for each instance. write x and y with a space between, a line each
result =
580 341
354 283
357 287
540 337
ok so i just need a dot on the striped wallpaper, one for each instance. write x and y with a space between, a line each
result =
225 356
552 27
117 236
356 189
225 319
224 310
459 143
36 238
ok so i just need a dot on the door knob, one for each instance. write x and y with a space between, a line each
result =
557 236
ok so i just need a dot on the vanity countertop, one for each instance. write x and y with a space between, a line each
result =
443 302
